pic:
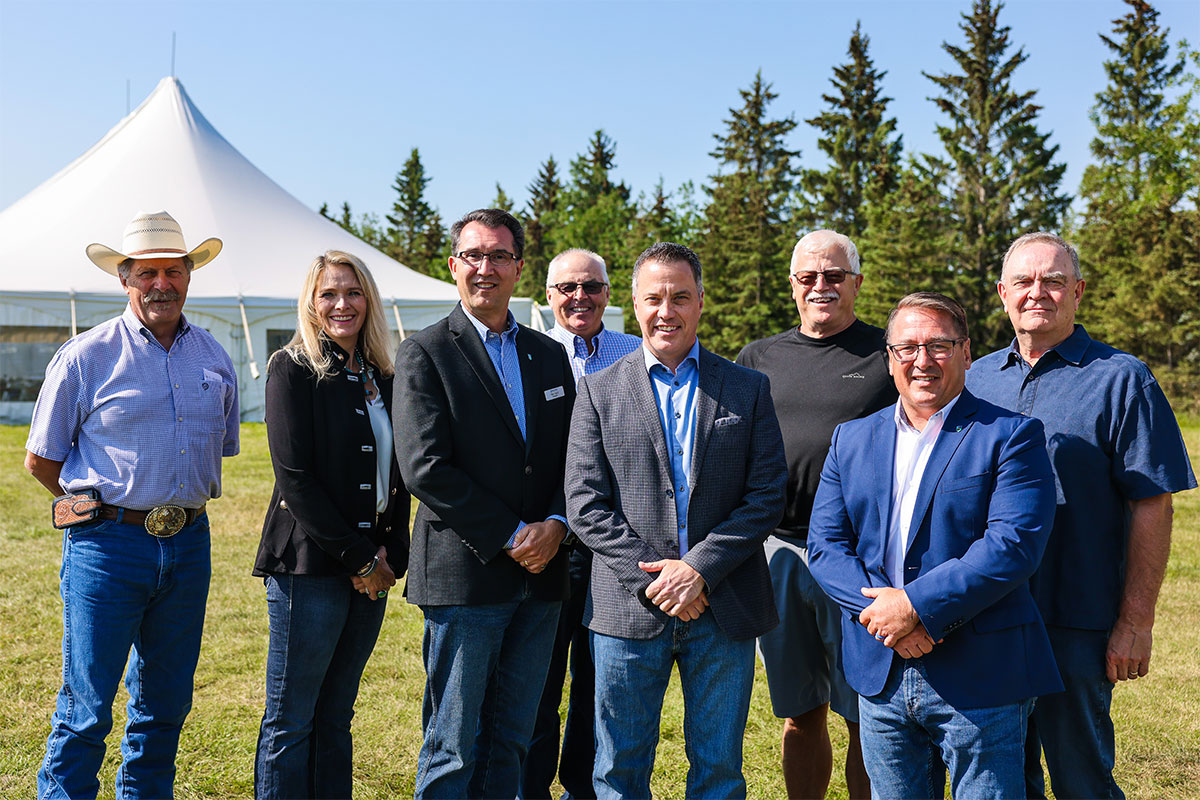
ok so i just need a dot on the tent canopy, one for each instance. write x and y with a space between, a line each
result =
166 155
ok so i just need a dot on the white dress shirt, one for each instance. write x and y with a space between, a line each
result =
912 454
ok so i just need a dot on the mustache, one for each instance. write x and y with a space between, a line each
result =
811 296
156 296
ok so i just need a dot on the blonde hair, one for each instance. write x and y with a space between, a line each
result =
373 338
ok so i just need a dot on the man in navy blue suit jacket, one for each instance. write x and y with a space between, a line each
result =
930 517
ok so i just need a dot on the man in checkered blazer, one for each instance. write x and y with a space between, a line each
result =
675 477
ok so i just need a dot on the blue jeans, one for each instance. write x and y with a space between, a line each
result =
910 736
1074 727
122 588
716 675
322 633
485 666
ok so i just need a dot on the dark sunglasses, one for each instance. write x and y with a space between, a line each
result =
832 276
590 287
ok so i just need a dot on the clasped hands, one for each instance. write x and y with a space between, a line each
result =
678 590
380 580
893 621
536 543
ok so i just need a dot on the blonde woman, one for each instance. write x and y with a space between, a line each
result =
335 536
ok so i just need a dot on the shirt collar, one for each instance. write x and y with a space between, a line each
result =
939 417
1072 349
578 341
510 326
693 355
135 325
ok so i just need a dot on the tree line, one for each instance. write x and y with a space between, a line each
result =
936 221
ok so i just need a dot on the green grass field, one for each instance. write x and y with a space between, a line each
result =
1158 718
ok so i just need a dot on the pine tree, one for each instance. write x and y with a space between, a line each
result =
1005 182
907 238
748 239
410 215
540 219
1138 235
860 141
502 200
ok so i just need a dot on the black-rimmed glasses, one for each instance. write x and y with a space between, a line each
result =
499 258
589 287
938 350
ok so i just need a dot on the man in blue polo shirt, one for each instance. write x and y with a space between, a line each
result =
1118 456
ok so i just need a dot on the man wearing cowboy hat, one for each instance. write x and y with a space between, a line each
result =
130 427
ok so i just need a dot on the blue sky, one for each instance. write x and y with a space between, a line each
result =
328 98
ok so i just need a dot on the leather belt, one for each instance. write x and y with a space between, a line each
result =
160 521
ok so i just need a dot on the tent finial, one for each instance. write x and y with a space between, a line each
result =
173 54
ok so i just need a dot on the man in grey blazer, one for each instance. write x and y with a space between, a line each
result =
675 477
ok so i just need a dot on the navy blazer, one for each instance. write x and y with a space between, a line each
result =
982 518
461 454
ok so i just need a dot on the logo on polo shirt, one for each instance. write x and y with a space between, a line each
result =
858 375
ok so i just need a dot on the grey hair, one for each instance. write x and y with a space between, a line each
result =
667 253
126 266
816 241
1043 237
931 301
571 252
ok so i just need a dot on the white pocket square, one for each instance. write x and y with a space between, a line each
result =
733 419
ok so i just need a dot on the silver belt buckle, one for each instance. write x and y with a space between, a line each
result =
165 521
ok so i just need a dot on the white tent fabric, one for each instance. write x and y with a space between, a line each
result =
166 155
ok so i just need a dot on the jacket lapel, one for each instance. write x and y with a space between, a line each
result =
707 402
531 369
646 406
954 430
466 338
883 434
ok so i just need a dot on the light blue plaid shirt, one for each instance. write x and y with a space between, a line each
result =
611 347
143 426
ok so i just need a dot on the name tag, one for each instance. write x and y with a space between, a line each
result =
555 393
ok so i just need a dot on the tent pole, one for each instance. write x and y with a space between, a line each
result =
399 324
74 326
249 342
535 319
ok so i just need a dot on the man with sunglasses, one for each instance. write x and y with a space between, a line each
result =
481 409
1118 456
930 517
829 369
577 290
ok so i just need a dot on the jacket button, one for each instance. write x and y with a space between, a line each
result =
670 493
393 490
283 503
388 529
528 470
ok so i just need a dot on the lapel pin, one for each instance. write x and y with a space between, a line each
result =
529 356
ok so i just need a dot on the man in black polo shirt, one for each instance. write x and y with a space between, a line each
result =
830 369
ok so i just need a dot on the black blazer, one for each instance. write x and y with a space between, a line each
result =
461 455
321 520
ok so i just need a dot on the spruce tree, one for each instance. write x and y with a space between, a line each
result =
1138 236
593 210
1005 182
540 219
410 217
502 201
860 141
748 240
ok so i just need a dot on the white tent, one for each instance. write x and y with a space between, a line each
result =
166 155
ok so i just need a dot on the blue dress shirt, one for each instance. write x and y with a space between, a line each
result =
611 347
1112 438
143 426
675 393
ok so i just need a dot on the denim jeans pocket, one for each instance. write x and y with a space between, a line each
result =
89 529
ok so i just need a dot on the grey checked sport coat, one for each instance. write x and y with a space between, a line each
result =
621 505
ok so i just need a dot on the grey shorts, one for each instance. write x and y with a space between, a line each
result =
802 655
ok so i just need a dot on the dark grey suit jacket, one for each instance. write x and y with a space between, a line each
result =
620 501
461 454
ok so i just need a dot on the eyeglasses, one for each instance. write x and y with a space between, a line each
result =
939 350
832 276
590 287
499 258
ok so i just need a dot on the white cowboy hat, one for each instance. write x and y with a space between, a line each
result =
155 235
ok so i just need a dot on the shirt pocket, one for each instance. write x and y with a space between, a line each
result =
208 402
